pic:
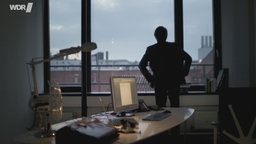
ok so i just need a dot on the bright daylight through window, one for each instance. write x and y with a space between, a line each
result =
122 30
65 32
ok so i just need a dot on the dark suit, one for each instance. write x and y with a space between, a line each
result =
169 65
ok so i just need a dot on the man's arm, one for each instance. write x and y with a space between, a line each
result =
143 68
187 63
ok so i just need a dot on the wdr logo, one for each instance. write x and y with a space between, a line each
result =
21 7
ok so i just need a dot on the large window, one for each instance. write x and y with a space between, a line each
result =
65 32
198 39
122 30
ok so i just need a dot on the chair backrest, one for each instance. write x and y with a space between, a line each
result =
244 107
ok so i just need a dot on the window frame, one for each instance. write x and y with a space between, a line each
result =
86 37
178 38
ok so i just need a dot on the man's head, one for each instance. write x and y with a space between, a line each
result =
161 34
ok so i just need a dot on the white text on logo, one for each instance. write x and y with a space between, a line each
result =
21 7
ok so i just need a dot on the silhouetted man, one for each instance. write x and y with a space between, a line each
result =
169 64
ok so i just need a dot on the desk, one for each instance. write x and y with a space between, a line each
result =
147 128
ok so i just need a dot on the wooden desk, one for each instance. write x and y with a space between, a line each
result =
147 128
151 128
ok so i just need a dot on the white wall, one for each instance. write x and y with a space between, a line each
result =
253 40
21 39
238 42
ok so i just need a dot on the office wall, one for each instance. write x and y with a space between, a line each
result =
238 41
21 39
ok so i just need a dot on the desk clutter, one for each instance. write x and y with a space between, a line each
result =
125 125
93 132
98 130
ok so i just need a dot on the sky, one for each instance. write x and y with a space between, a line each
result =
125 28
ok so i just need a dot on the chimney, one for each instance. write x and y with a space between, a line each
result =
206 41
106 55
210 41
202 41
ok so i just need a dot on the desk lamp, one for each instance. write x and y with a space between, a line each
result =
45 103
86 47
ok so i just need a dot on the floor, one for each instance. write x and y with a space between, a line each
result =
166 138
198 139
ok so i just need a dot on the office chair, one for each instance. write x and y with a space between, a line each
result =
237 116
